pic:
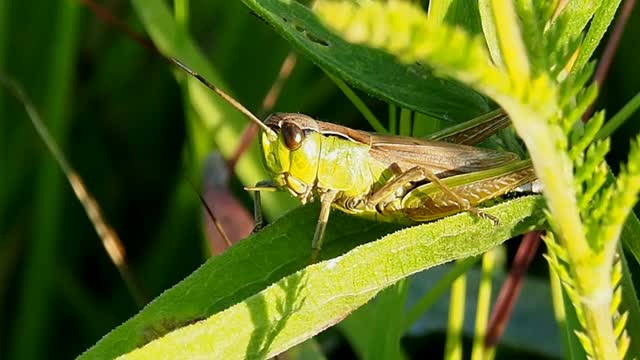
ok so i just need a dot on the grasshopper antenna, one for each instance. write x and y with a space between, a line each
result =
110 240
268 102
106 16
233 102
213 218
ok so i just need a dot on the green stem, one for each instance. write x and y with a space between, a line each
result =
595 305
484 305
405 122
181 13
453 346
393 119
512 48
489 31
35 301
359 104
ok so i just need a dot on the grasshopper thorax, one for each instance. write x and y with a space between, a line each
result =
292 157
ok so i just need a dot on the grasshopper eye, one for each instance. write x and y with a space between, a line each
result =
293 135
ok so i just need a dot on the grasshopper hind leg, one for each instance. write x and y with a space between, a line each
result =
429 202
464 203
454 202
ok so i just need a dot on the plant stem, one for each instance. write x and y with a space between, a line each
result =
478 351
453 346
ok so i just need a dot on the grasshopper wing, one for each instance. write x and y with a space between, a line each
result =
408 152
437 156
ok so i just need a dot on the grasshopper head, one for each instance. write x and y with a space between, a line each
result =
292 157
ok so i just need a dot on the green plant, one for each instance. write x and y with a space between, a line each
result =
262 295
541 85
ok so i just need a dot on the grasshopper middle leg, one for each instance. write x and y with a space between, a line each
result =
326 199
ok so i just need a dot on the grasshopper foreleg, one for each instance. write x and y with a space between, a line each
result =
418 174
265 185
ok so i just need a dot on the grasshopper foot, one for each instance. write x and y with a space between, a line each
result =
483 215
259 226
489 217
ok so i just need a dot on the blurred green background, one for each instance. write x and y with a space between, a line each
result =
117 111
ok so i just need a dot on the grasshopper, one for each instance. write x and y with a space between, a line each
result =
385 177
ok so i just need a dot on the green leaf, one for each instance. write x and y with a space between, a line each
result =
630 305
533 34
572 327
572 21
235 306
598 27
630 236
377 73
512 45
374 330
448 49
489 31
461 13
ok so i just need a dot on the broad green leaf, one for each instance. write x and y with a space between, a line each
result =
257 299
448 49
374 71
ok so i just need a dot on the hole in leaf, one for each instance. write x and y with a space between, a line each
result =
311 36
316 39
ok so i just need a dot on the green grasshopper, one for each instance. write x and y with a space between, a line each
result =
385 177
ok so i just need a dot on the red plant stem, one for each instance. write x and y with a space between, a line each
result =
511 287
